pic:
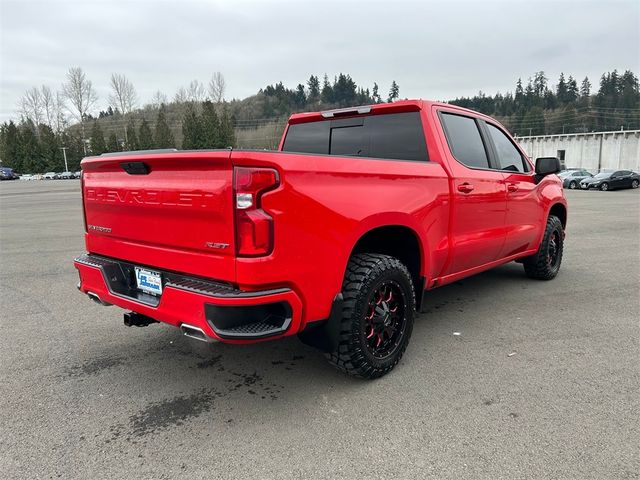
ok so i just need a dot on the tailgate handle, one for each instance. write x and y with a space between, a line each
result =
135 168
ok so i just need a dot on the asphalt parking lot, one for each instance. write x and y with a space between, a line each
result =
542 382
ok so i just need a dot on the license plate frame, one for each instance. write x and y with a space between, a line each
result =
148 281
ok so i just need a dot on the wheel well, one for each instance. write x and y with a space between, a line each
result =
559 211
399 242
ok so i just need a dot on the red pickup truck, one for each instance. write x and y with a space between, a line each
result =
335 237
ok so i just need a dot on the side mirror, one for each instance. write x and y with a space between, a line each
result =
546 166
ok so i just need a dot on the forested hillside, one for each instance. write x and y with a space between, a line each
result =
198 116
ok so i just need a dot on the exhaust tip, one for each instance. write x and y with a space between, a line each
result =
195 332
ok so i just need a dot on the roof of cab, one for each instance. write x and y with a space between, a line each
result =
413 105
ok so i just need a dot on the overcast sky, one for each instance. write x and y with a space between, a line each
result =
436 50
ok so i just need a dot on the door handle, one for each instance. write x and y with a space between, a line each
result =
465 187
512 187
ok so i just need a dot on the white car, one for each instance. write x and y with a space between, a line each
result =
50 176
27 177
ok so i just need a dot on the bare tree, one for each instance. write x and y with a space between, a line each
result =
123 96
61 118
158 99
195 91
217 87
181 96
48 105
79 91
30 105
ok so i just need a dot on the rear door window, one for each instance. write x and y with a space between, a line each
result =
464 140
397 136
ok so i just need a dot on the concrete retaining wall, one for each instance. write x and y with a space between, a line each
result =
592 151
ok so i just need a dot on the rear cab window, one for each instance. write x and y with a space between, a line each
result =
394 136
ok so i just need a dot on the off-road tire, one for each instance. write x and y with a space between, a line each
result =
366 272
538 266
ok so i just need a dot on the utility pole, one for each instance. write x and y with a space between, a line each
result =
64 152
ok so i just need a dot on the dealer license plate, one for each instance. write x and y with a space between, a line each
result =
148 281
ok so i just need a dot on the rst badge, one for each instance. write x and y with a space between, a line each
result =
98 228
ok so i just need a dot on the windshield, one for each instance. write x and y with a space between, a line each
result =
603 175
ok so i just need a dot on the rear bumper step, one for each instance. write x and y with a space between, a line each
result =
203 309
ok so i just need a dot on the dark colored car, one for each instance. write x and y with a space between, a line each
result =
8 174
572 178
612 180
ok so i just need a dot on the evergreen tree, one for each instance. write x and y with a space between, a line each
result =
572 90
344 90
75 149
629 91
561 90
10 146
29 152
394 92
227 132
50 149
113 145
96 139
519 97
375 96
145 137
314 89
211 136
132 136
192 130
327 91
163 138
585 88
539 84
300 97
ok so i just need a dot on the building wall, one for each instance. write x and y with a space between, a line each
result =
591 151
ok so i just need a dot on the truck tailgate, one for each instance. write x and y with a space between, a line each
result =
167 210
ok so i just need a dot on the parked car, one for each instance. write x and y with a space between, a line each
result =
66 176
50 176
7 173
26 177
335 237
612 180
77 174
572 178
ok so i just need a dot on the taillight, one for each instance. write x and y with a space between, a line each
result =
254 226
84 211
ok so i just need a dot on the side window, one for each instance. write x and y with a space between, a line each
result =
509 157
464 140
